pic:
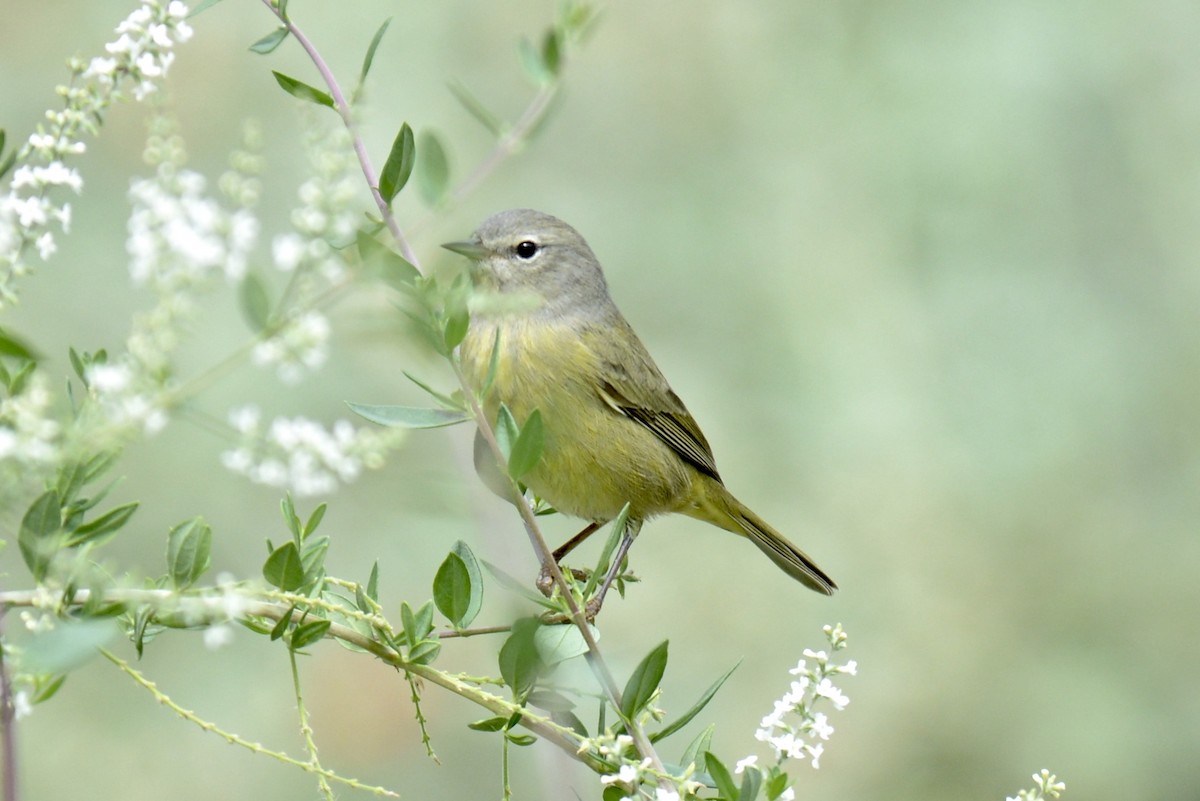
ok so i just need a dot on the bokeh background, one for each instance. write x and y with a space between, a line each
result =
926 273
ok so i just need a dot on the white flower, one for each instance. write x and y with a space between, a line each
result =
22 707
825 689
820 725
665 794
45 246
109 377
747 762
788 795
627 774
218 636
286 251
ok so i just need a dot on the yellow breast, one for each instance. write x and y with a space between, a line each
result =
595 459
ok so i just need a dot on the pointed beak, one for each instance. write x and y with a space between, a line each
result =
470 248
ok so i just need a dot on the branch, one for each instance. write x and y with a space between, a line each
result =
360 148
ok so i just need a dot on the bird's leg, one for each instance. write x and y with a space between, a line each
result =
545 582
632 527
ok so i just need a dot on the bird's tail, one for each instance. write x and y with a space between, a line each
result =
731 514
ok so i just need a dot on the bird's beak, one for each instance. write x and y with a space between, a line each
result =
472 249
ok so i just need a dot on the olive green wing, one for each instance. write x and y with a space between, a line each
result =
636 388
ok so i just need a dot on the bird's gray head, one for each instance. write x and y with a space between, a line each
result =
523 251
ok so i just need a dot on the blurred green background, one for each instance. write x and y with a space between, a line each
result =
926 274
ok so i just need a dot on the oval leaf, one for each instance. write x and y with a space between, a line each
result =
721 777
284 568
527 450
644 681
473 572
559 643
452 589
39 536
268 43
408 416
256 305
519 661
301 90
399 164
106 524
433 169
307 633
369 58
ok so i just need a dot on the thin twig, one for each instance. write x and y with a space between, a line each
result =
232 738
7 720
360 147
306 731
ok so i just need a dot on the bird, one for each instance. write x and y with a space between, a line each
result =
544 334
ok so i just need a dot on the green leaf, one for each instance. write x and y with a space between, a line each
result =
308 632
550 700
452 589
448 401
312 557
475 602
521 739
476 109
45 690
369 58
301 90
272 40
686 718
776 784
519 661
527 450
373 583
107 523
408 416
399 164
535 67
408 621
67 646
314 520
424 618
751 784
513 585
644 681
284 568
458 316
11 345
391 267
552 52
425 652
697 748
7 162
506 430
281 626
561 642
615 532
613 792
722 777
40 536
571 721
489 724
288 509
256 305
433 169
203 5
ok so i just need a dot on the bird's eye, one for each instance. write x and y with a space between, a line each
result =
526 250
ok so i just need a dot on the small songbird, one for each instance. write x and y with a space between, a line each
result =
614 431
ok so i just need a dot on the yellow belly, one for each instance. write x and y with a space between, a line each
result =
595 459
